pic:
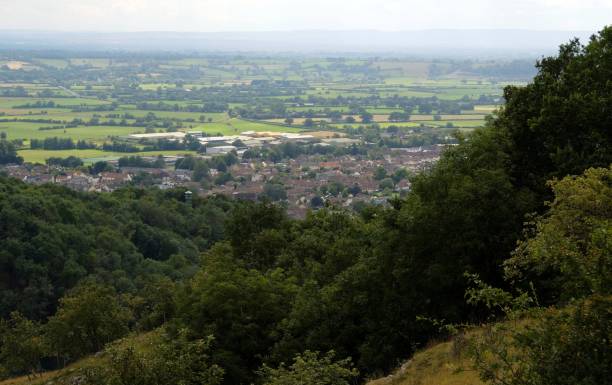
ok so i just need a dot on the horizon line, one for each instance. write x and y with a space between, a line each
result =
300 30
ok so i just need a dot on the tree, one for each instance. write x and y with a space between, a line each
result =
69 162
88 318
366 117
386 184
21 346
380 173
570 346
200 171
569 253
240 306
177 361
275 191
316 202
289 121
99 167
312 369
559 124
8 153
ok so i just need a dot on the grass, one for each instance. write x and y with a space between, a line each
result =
27 130
89 156
142 343
9 102
99 134
441 364
235 126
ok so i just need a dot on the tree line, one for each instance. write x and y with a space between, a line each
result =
245 289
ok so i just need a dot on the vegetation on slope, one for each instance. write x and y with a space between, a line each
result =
367 286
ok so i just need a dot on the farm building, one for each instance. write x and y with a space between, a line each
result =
220 150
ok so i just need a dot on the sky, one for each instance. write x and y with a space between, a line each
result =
283 15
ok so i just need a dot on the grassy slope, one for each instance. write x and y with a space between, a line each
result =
140 342
441 364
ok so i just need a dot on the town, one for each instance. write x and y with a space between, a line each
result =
346 173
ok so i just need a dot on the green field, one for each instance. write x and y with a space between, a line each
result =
88 156
269 89
26 131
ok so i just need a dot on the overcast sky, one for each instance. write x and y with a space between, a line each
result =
275 15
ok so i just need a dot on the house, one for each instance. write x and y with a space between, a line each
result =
220 149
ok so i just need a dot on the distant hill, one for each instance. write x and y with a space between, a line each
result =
424 43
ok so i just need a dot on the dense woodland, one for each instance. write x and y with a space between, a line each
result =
239 293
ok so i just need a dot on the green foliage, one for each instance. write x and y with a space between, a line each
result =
70 162
571 346
240 307
99 167
560 123
495 298
88 318
21 346
386 184
52 237
255 232
361 285
312 369
380 173
275 191
8 153
569 253
177 361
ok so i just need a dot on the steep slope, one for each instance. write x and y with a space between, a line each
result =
444 363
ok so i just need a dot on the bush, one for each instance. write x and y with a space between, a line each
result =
309 368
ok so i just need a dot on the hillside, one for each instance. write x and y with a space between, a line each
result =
513 223
68 375
443 363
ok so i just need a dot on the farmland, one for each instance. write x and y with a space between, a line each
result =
101 100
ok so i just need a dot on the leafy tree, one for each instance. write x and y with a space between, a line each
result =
569 253
380 173
200 171
21 346
100 166
317 201
275 191
386 183
366 117
178 361
559 123
240 307
88 318
560 347
8 153
568 250
69 162
313 369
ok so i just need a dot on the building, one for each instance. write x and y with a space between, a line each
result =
220 149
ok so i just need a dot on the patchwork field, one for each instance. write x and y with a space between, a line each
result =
90 99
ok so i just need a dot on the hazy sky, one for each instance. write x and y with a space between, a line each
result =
273 15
